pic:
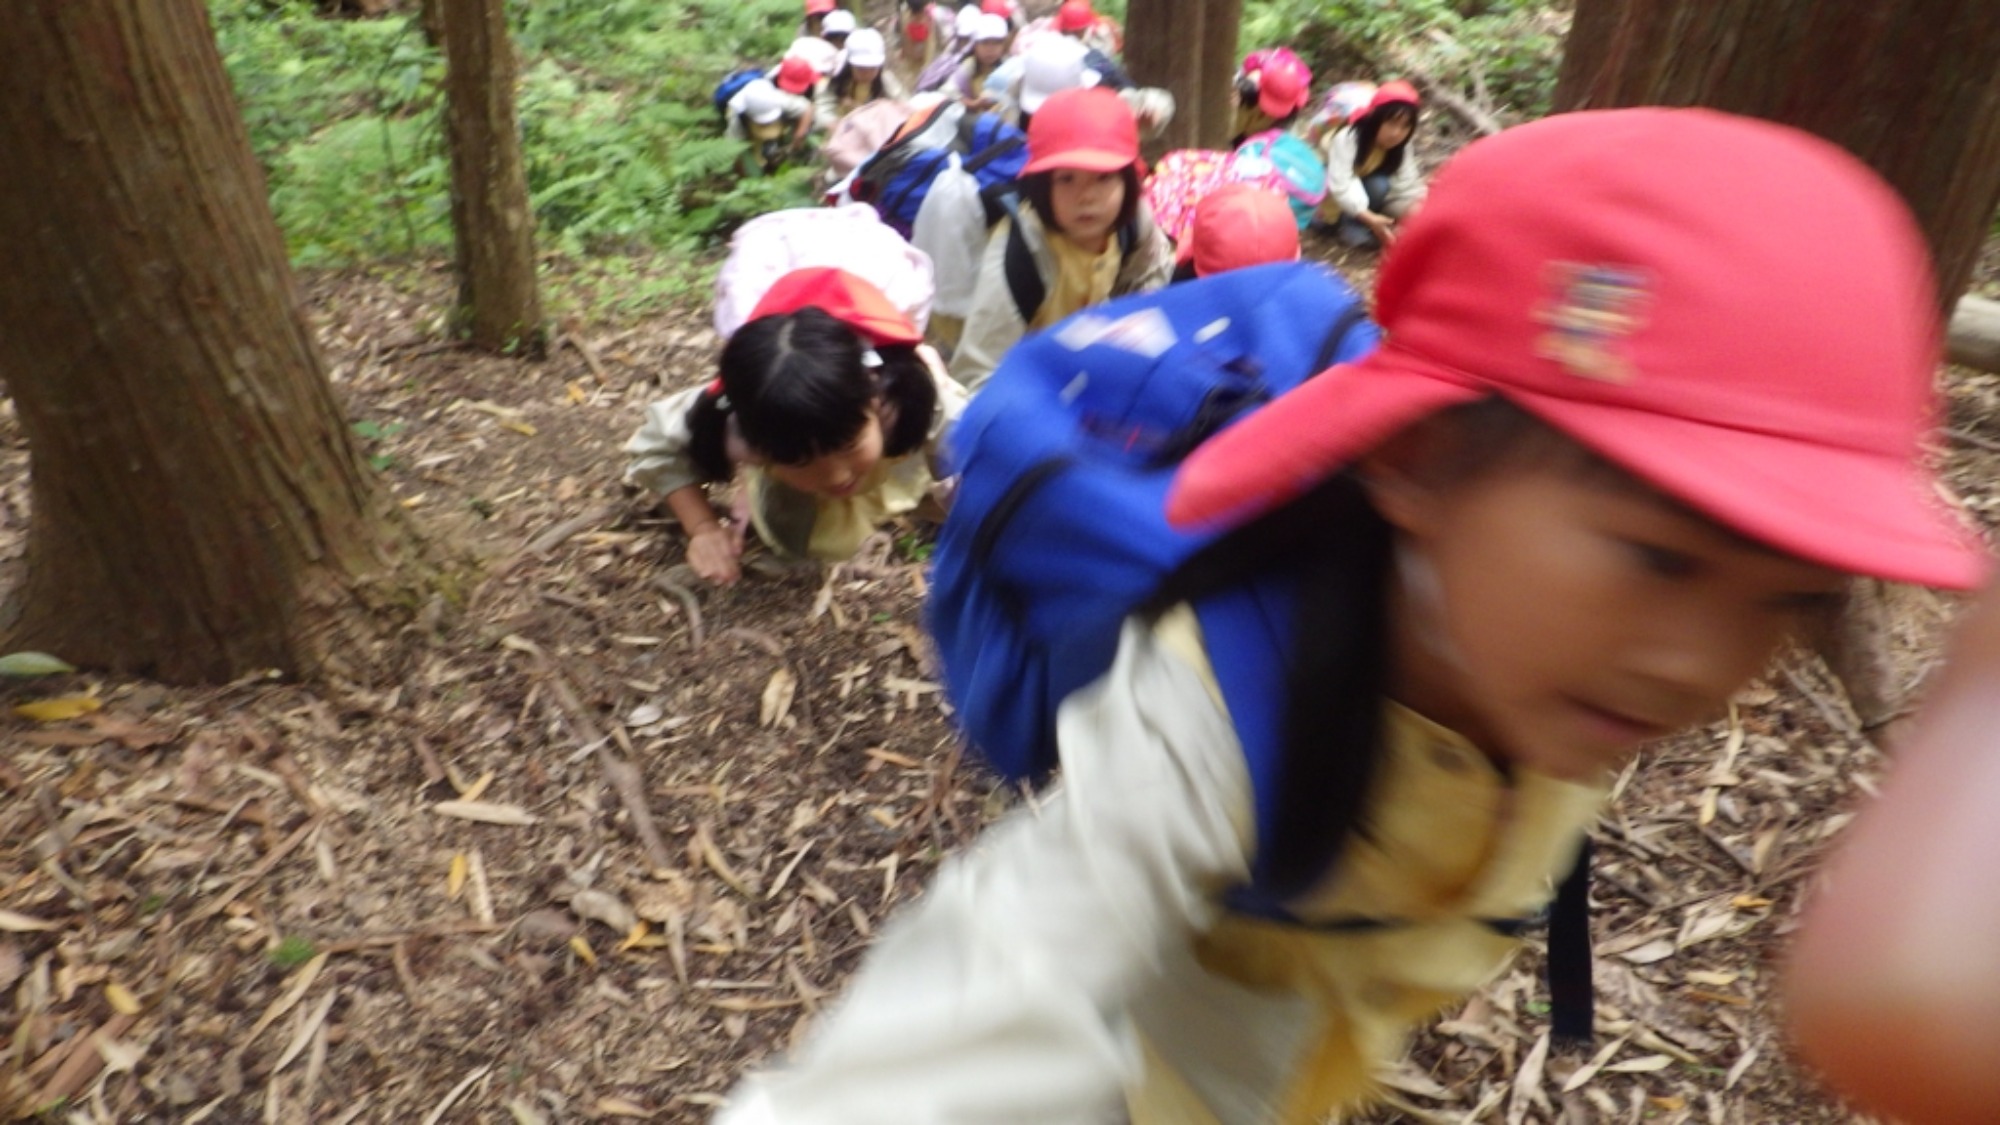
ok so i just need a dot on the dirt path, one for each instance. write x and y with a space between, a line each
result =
422 900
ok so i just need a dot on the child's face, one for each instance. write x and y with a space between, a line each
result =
988 51
1087 204
1560 615
864 76
1395 130
836 475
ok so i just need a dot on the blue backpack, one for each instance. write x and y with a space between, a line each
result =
729 86
1058 529
897 179
1058 532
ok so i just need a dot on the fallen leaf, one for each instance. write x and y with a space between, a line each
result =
1650 952
454 880
486 812
1713 979
576 394
32 664
582 949
1644 1064
619 1107
22 924
594 905
522 428
57 708
777 701
121 999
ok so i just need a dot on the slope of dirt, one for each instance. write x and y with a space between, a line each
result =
427 899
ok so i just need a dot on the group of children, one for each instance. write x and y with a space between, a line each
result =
1619 444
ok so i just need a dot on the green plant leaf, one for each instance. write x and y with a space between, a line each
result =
32 664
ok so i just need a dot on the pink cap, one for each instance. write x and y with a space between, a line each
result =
1284 84
1718 345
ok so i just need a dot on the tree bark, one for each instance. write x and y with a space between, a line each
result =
1912 89
1188 48
499 306
199 509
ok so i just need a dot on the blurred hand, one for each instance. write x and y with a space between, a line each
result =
714 552
1381 226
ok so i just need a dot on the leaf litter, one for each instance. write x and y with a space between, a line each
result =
472 891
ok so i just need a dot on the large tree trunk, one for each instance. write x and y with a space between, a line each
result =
499 306
199 509
1187 47
1912 89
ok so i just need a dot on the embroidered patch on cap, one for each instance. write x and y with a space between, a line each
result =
1595 308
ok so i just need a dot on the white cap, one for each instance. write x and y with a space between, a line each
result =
760 101
1053 65
840 21
990 25
967 19
817 52
866 48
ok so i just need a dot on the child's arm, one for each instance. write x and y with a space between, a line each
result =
660 463
992 323
714 548
1004 993
1894 985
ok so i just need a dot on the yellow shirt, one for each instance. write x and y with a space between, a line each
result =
1082 279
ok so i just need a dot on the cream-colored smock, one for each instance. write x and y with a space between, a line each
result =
789 521
1076 966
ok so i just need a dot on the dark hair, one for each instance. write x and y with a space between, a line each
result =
844 81
1370 126
798 388
1340 553
1038 188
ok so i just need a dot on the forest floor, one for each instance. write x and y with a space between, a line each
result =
423 900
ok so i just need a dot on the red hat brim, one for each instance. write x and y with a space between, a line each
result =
847 298
1864 513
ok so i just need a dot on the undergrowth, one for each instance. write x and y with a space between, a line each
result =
628 172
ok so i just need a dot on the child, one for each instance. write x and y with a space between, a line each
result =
1372 178
1894 986
860 80
1083 223
835 27
1613 451
1272 86
761 115
1237 225
829 409
989 47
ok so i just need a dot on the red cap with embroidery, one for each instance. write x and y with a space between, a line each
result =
845 297
1718 345
1075 15
796 75
1239 225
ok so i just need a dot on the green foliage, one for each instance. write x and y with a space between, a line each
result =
624 154
1505 52
292 952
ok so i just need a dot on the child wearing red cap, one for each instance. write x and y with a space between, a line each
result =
830 411
1272 86
1612 452
1084 229
1234 226
1372 178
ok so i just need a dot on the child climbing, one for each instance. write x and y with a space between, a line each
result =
773 122
1372 177
989 47
1078 232
1272 86
862 78
1610 456
1235 226
828 414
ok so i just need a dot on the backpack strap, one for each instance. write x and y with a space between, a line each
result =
1572 1000
1352 315
1024 277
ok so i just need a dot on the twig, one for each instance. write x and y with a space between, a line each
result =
590 359
437 1114
356 942
554 537
1974 440
696 633
623 775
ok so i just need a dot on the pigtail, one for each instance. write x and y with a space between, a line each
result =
708 434
907 385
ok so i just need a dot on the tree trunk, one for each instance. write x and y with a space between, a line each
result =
1188 48
499 306
1913 89
199 510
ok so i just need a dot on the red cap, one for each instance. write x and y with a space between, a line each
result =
796 75
819 7
1391 93
1075 15
1090 129
1719 345
997 8
1284 84
845 297
1239 225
